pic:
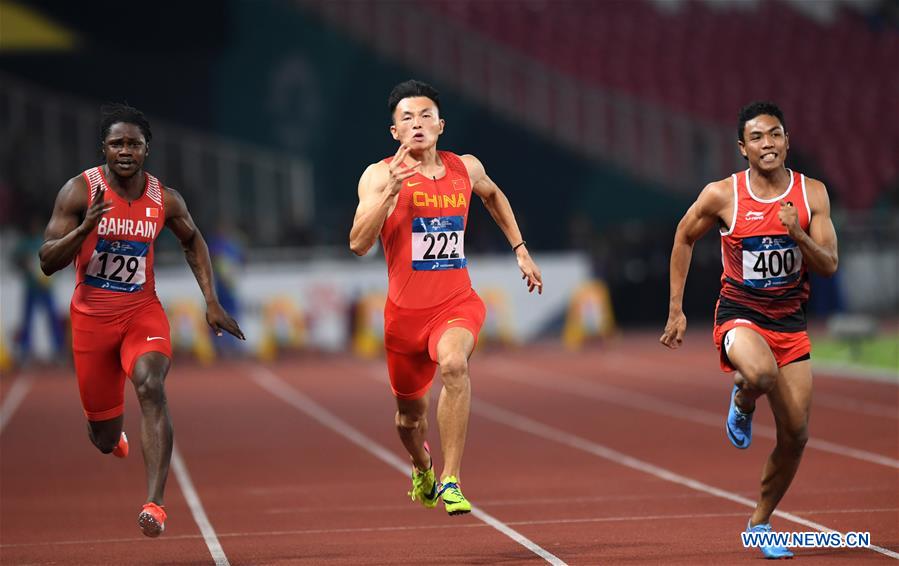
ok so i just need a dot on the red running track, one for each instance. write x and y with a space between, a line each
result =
613 455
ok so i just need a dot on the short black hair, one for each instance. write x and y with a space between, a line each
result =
115 113
754 109
410 88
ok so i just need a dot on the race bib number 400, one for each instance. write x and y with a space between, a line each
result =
770 261
438 243
118 265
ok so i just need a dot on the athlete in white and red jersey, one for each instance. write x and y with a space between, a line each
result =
775 225
764 279
417 201
107 219
118 255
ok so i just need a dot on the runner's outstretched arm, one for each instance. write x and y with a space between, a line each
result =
698 220
500 209
179 221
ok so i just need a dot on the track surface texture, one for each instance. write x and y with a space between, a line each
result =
615 454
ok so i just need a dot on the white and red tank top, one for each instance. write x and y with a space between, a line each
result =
764 277
424 238
114 267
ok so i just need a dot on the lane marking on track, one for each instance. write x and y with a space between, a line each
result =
196 509
14 397
625 366
515 371
849 405
856 372
835 370
561 501
525 424
563 437
272 383
419 527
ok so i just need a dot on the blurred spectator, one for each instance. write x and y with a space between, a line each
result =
827 299
6 203
38 292
226 249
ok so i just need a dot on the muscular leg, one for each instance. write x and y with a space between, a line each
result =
412 425
790 400
156 424
454 406
756 368
105 434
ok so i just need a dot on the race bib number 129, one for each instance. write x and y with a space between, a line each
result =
118 265
438 243
770 261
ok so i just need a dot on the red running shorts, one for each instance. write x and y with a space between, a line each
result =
106 348
411 337
787 347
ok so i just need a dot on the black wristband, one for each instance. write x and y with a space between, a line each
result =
516 246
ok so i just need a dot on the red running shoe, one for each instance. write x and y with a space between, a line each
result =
121 449
151 520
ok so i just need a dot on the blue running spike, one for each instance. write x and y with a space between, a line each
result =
770 552
738 424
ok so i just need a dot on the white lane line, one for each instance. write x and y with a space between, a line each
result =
269 381
639 369
196 509
561 502
835 370
518 372
843 403
14 397
525 424
420 527
855 372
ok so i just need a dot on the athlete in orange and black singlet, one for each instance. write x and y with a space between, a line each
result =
417 202
107 220
775 225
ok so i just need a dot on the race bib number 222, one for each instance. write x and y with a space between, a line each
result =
438 243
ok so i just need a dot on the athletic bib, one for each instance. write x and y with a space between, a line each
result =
438 243
770 261
118 265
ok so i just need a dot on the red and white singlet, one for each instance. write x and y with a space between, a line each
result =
424 238
764 278
114 267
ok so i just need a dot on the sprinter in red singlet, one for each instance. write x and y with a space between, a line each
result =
417 201
107 219
775 225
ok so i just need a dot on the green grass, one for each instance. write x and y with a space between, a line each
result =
879 352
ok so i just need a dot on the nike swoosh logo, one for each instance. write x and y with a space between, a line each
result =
411 184
734 438
452 320
151 338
